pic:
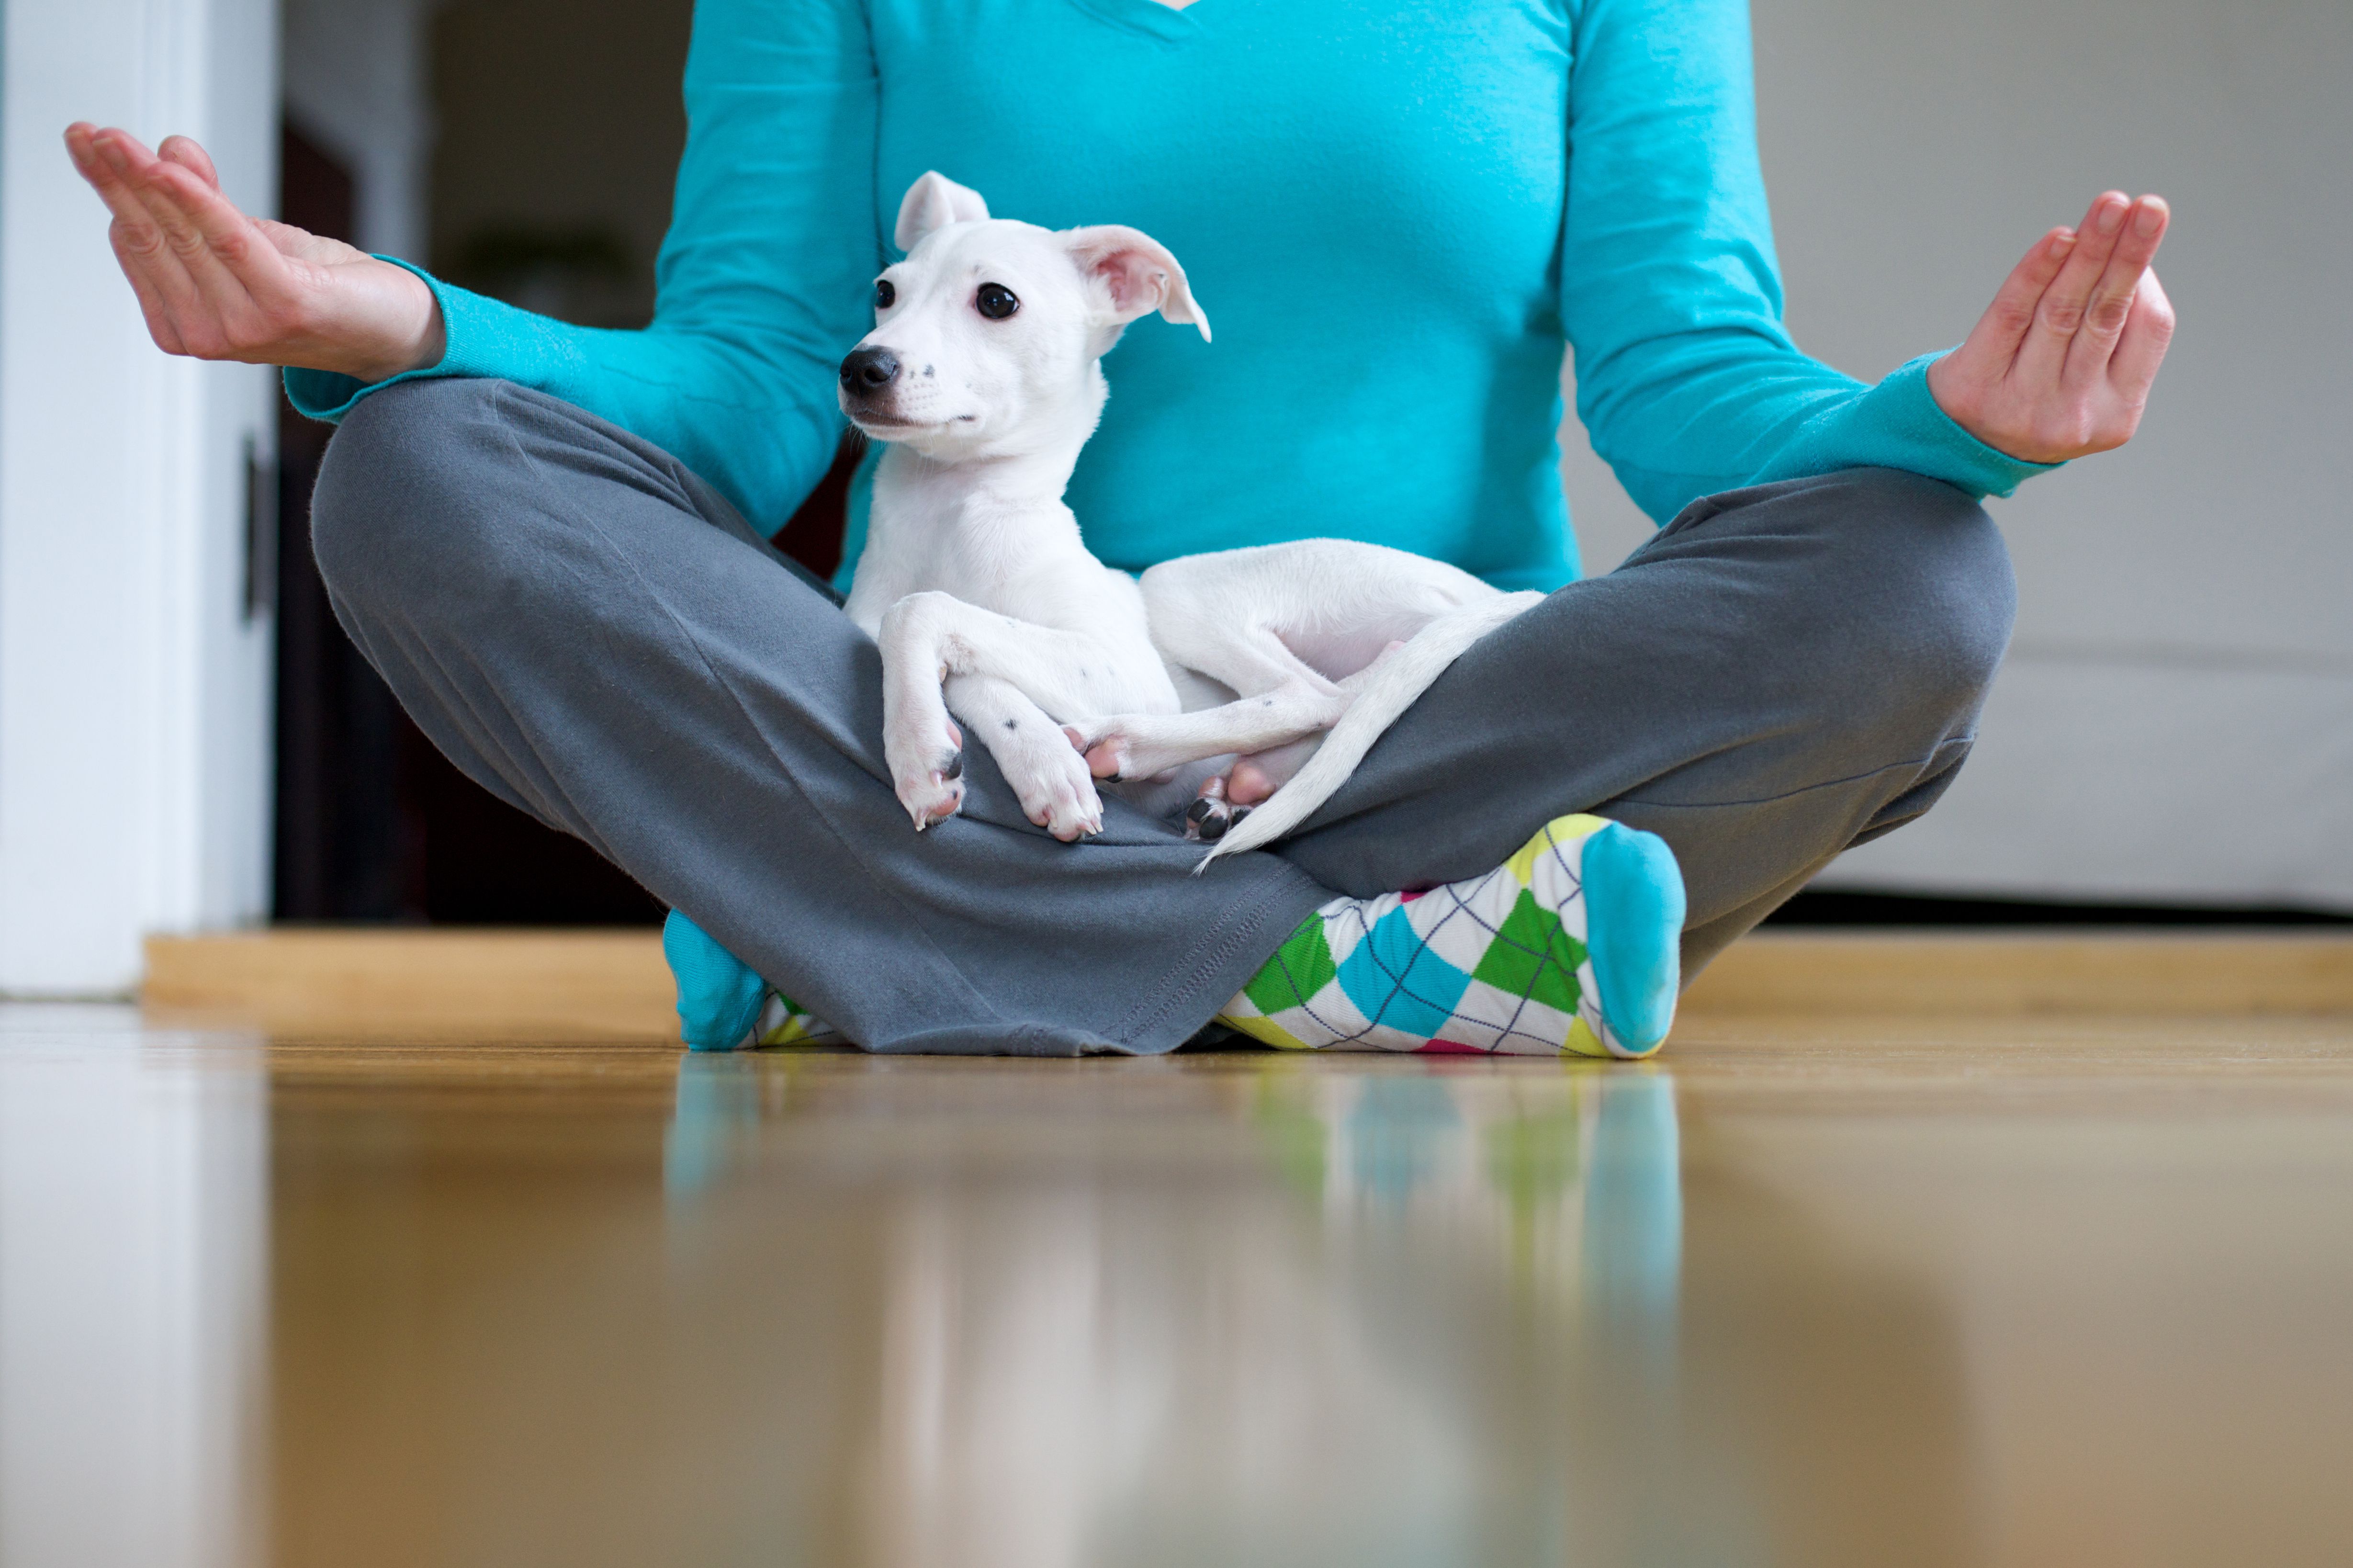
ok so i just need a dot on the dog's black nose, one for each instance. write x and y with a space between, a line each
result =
869 370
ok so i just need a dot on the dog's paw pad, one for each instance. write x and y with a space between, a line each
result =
1207 820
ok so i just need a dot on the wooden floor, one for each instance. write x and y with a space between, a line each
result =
1915 1251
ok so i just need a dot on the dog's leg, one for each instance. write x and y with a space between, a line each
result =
931 638
1049 779
1279 700
921 743
1389 685
1138 746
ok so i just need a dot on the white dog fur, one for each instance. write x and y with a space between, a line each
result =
988 606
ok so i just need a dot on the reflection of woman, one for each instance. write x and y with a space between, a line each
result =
1440 1316
1398 215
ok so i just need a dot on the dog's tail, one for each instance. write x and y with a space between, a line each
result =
1388 690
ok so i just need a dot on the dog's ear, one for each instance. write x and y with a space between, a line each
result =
934 202
1138 274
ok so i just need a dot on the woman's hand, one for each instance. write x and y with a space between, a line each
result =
2060 365
216 284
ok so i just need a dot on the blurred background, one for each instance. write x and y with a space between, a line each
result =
186 741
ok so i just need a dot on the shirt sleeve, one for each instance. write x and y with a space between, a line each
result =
765 272
1687 381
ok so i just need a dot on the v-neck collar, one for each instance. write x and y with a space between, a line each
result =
1150 16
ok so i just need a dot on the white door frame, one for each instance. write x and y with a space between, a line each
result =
136 712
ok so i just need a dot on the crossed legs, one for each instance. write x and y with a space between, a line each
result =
592 634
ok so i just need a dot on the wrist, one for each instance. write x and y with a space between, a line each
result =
1953 395
412 334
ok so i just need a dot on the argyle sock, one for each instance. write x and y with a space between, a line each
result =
1570 945
784 1021
722 1005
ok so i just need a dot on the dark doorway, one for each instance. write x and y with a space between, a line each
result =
374 824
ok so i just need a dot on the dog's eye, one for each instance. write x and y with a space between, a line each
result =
883 293
996 301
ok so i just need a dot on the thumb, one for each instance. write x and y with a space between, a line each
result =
302 244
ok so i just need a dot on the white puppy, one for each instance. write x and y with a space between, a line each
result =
982 377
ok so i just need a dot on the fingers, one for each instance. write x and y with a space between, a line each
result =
2140 349
2002 329
205 277
203 223
2137 238
243 280
2043 358
152 306
110 161
183 151
95 158
168 243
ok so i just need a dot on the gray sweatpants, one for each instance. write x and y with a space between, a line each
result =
594 635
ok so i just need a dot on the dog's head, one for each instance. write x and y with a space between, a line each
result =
986 337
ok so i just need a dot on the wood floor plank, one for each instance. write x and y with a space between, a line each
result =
612 985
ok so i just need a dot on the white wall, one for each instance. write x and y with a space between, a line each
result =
134 716
2175 720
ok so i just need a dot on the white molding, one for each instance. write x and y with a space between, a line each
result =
134 697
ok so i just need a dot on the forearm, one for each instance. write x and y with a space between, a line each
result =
1671 293
753 423
1682 418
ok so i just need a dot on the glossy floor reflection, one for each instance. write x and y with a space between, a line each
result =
1817 1294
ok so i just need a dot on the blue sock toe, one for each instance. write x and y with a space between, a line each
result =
1633 929
718 994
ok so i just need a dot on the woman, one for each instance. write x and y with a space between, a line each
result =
547 537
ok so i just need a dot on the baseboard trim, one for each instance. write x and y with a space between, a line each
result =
612 985
504 983
2022 973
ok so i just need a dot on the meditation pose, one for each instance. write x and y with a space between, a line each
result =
551 540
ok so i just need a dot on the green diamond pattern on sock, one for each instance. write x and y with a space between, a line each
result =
1300 967
1514 944
1533 957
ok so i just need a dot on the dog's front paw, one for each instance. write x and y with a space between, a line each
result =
927 772
1055 790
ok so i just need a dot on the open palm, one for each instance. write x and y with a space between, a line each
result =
216 284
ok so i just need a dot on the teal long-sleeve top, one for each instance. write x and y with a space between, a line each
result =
1396 211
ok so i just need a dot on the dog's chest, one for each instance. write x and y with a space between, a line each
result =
1029 568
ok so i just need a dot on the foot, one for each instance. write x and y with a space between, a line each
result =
1249 781
1126 747
926 759
1050 779
722 1005
719 997
1213 812
784 1021
1571 944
